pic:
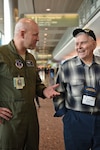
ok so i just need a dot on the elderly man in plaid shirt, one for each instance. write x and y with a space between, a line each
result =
79 101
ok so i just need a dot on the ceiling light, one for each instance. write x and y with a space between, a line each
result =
45 34
48 9
1 18
46 29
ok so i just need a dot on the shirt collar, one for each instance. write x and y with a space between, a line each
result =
13 48
78 61
96 59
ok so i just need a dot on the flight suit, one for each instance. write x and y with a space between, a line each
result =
19 83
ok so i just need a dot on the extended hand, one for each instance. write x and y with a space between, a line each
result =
50 92
5 113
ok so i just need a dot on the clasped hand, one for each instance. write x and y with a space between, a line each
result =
5 113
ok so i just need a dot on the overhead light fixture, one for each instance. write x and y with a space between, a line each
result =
45 34
46 29
45 56
1 18
48 9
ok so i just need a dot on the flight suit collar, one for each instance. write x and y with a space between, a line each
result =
12 47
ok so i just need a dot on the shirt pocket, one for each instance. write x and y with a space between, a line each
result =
76 87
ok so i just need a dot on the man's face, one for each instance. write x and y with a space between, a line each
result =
84 46
31 37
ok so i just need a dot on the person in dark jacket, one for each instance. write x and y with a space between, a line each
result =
19 83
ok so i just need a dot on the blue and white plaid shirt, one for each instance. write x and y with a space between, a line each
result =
73 75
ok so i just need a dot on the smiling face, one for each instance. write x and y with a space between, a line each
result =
84 46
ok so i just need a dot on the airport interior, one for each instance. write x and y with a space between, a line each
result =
56 20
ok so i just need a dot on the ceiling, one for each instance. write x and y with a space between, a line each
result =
47 43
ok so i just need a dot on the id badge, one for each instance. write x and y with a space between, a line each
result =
89 96
88 100
19 82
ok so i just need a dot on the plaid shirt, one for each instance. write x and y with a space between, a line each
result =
73 75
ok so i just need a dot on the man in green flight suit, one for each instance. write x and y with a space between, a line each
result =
19 83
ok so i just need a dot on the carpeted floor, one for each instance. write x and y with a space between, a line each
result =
51 128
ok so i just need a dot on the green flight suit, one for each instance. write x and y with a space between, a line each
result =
22 131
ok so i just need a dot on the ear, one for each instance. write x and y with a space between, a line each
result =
22 34
95 43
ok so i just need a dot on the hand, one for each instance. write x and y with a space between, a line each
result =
50 92
5 113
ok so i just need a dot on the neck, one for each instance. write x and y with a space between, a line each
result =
19 47
88 61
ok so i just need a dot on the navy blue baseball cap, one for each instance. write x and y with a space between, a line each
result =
87 31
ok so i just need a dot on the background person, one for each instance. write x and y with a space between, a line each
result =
37 101
19 83
79 101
